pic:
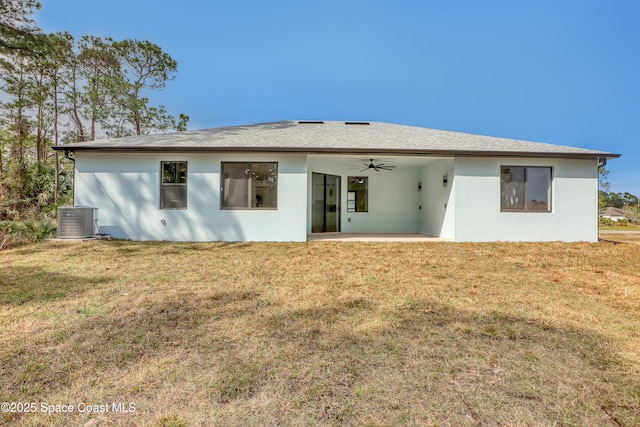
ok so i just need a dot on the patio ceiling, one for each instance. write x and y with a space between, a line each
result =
396 160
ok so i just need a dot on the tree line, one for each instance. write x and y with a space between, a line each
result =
619 200
626 201
57 89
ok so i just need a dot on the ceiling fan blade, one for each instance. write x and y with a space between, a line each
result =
371 165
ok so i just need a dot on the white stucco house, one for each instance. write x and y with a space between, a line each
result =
285 181
614 214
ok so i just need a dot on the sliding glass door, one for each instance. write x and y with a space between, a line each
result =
325 200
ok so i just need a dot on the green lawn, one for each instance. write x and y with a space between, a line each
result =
321 333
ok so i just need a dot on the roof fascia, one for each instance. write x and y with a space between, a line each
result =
320 150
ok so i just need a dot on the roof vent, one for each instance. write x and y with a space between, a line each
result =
310 122
356 123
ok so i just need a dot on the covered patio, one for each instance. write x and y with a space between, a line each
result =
379 198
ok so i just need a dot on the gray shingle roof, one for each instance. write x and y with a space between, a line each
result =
336 137
611 211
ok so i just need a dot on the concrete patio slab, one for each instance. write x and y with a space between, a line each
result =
368 237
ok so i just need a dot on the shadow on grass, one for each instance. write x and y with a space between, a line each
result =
343 362
20 285
23 248
487 368
102 341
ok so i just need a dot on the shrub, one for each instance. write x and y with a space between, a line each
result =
5 235
27 191
16 232
607 222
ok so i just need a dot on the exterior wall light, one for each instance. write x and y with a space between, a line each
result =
445 180
419 187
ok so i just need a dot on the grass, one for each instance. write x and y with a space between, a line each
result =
620 228
322 333
618 235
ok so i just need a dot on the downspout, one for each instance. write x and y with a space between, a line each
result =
71 155
601 162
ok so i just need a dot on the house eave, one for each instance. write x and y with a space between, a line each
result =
337 151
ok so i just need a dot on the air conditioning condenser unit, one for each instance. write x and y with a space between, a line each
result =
76 222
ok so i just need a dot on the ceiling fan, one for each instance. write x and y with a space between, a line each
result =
378 167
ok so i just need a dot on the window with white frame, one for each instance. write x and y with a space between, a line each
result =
525 189
249 185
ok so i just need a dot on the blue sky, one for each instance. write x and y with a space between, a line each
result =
563 72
